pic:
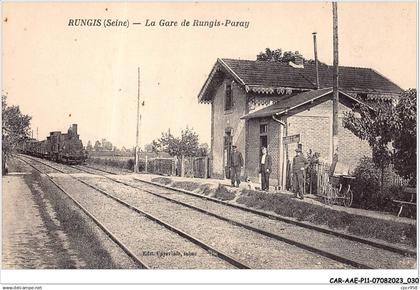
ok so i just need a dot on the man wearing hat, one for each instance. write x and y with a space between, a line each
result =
299 165
265 169
236 163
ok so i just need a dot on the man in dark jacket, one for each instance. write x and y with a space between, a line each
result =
236 164
299 166
265 169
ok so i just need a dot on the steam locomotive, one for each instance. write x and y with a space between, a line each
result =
58 147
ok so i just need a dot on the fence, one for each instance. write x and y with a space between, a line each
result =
315 178
186 166
399 181
320 173
163 166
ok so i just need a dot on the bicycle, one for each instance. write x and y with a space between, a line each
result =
338 190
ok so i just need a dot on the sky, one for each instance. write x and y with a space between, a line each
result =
61 74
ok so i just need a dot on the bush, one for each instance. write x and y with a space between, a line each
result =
223 193
367 183
162 180
370 227
206 189
118 163
367 186
130 164
186 185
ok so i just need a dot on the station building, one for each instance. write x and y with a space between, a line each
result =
277 105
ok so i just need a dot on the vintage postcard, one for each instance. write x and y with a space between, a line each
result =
209 136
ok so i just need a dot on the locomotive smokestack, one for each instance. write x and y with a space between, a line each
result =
316 61
74 128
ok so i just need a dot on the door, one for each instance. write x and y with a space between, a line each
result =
263 142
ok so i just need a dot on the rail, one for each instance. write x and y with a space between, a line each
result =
183 234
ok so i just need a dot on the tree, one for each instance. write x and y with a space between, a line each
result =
106 145
97 146
168 143
203 149
148 147
189 142
377 128
89 146
391 131
270 55
405 134
186 145
15 127
156 147
279 56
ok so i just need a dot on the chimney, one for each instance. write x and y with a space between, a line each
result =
316 61
298 62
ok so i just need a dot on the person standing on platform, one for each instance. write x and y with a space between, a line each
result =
236 164
299 166
265 169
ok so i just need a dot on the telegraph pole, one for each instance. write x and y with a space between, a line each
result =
335 79
316 60
136 166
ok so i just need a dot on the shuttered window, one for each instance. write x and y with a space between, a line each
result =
228 97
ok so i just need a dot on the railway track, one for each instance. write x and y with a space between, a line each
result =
133 256
328 262
386 247
282 238
251 228
139 261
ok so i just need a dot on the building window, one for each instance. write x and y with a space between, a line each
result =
263 129
228 97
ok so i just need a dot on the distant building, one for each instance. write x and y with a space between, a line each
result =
255 104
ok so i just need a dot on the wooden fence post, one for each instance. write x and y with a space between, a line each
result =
318 178
206 164
145 165
173 168
310 180
192 166
196 166
182 165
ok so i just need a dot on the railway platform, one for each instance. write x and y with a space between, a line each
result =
309 198
373 225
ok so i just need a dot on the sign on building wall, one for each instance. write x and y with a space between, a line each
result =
291 139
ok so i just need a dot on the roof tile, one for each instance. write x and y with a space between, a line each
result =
277 74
